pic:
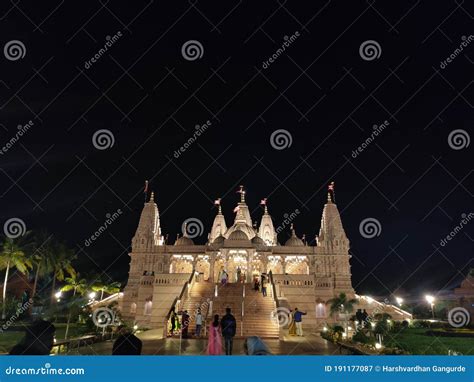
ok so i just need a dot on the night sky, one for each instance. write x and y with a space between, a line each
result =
414 177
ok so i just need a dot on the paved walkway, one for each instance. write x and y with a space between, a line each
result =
308 345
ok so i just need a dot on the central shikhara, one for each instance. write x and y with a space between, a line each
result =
186 275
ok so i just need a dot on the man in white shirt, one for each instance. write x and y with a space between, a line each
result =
198 323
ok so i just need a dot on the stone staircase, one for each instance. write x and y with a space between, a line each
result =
200 296
257 319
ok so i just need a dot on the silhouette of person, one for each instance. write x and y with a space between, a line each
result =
38 339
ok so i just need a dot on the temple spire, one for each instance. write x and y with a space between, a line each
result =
266 230
241 191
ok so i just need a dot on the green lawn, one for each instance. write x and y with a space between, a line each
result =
415 341
9 339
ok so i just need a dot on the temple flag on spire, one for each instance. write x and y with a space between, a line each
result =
145 189
263 202
236 209
217 202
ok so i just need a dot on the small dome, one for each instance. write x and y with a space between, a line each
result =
257 240
294 242
219 240
184 240
238 235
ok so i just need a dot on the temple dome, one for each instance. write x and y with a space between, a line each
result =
294 241
238 235
184 240
257 240
219 240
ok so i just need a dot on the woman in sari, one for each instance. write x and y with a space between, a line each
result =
214 345
291 325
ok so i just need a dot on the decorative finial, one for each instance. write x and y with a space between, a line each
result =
292 227
217 202
332 191
329 198
185 229
242 194
152 197
263 202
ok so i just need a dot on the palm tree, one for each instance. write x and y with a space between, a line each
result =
42 257
61 264
113 287
342 305
78 286
12 256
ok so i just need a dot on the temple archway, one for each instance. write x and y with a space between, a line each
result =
296 265
203 266
275 264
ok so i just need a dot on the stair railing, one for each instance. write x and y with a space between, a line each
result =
274 292
178 300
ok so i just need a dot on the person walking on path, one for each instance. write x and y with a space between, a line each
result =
229 327
185 324
214 345
198 323
298 317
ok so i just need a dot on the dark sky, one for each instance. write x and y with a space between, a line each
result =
320 90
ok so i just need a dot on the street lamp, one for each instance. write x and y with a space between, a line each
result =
92 295
399 301
58 295
430 299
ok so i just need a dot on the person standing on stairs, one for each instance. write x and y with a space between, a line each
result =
198 323
264 287
214 344
229 328
298 317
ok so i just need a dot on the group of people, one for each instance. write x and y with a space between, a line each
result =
223 329
260 285
295 326
39 340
